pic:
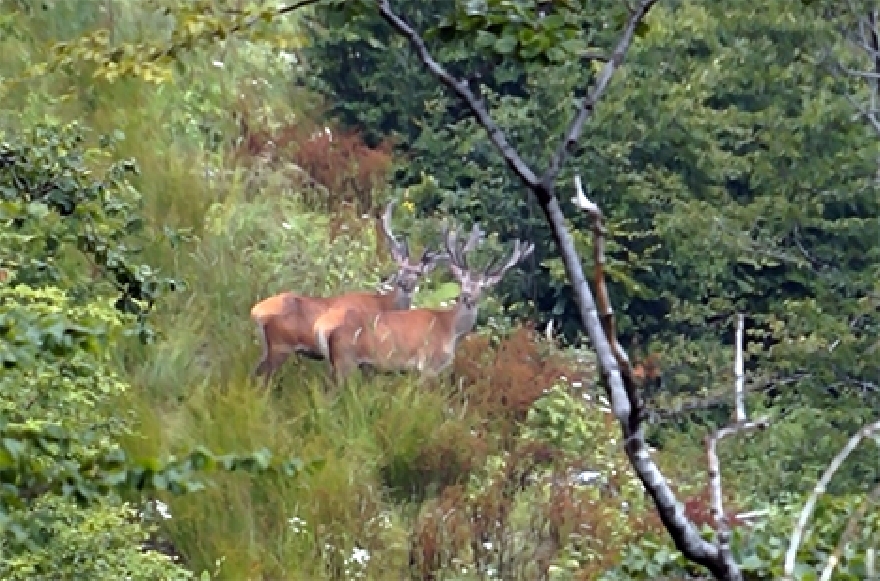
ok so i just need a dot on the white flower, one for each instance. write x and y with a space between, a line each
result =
297 524
162 509
360 556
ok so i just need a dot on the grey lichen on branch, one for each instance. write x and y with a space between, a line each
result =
597 320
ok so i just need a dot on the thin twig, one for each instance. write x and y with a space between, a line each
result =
740 424
807 511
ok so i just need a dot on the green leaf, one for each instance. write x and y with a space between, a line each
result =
506 44
475 7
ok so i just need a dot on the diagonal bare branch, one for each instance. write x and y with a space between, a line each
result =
588 103
460 87
799 529
716 557
597 320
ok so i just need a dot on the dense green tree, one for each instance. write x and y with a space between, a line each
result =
733 175
726 158
72 291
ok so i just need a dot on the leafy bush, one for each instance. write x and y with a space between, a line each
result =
62 428
541 506
761 548
99 542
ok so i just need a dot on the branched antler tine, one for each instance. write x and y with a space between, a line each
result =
470 244
491 266
473 238
449 237
386 219
520 251
389 232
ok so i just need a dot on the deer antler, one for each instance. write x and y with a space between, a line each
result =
399 248
458 256
473 239
520 251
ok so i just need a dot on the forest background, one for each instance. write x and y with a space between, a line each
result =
165 164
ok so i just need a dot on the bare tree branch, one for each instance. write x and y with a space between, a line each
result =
622 391
833 467
460 87
588 103
715 557
740 424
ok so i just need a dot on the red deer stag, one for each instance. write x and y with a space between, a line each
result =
418 339
285 322
335 317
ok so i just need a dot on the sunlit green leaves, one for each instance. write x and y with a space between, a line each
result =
761 547
58 213
548 34
72 289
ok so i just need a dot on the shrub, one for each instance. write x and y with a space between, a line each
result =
100 542
504 381
349 171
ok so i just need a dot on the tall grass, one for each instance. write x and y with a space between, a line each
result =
386 443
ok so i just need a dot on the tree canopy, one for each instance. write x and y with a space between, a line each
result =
166 164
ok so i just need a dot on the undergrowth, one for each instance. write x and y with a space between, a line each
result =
503 471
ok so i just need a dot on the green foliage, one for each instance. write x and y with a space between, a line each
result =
544 34
176 27
60 432
761 548
557 418
728 165
73 537
61 220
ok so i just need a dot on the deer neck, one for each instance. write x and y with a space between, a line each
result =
397 300
463 320
394 299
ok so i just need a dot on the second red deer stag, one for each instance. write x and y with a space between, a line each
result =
285 322
422 340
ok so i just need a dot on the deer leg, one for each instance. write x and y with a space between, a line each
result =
263 367
273 358
341 365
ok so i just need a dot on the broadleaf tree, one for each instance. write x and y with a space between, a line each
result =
737 119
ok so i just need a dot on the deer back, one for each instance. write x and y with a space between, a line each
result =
419 339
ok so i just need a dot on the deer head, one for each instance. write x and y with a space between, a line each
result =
408 273
472 282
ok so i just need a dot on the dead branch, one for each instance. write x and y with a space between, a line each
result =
723 564
625 403
740 424
798 533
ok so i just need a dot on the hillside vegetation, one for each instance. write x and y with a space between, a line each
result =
165 165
